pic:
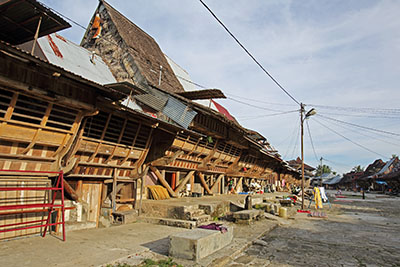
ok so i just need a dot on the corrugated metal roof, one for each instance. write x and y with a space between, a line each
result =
72 57
19 20
333 180
179 112
152 101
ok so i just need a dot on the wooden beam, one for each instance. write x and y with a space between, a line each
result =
68 188
238 183
217 181
184 182
203 182
167 160
163 181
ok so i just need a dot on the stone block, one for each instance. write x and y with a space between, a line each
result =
247 216
198 243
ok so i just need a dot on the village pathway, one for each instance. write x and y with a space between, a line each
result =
357 232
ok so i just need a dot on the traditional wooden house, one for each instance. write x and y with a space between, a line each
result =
113 135
217 146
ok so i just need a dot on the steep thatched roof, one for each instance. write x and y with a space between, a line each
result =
145 51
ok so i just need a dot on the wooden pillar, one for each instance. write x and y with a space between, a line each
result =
191 183
223 184
79 188
114 191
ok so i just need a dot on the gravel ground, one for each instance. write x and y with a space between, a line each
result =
356 232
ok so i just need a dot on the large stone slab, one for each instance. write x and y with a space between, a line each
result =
198 243
247 216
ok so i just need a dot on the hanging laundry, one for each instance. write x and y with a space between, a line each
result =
317 198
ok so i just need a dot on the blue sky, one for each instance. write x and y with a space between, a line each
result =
326 53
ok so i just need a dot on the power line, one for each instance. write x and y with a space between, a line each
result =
359 109
267 115
260 101
363 134
311 140
348 139
362 116
359 126
61 15
254 106
337 163
189 81
249 54
292 139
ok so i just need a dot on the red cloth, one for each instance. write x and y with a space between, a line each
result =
223 110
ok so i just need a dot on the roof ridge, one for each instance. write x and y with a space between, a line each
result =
108 6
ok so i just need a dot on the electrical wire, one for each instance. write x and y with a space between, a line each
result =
361 116
348 139
337 163
295 146
293 137
260 101
249 54
363 134
61 15
359 109
267 115
359 126
254 106
189 81
311 140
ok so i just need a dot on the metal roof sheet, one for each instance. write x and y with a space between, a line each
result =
152 101
19 20
72 57
179 112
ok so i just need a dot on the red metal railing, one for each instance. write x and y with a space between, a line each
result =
49 207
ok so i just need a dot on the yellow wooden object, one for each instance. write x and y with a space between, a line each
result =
158 192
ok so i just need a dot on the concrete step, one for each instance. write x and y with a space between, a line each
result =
170 222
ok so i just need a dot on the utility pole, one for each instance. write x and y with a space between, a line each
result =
302 118
302 156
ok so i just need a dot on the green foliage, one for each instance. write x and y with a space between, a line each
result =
325 169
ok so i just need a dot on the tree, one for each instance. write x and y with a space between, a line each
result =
357 169
325 169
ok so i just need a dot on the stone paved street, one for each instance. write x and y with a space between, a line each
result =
357 233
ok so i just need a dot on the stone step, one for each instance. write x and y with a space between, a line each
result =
247 216
170 222
195 213
201 219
